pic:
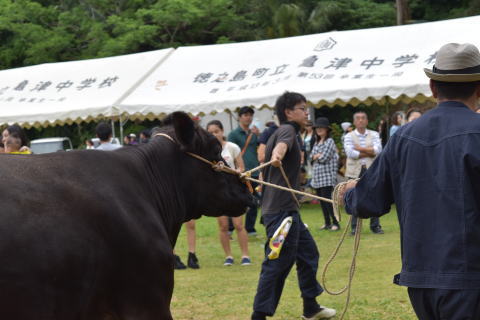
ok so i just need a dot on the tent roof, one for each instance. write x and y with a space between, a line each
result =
67 92
334 68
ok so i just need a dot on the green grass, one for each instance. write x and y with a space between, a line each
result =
218 292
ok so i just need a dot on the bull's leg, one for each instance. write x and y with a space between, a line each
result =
147 294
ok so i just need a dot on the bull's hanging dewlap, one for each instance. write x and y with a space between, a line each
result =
276 242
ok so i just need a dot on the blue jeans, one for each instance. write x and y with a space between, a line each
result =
299 248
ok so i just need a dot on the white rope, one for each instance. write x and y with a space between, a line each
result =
289 189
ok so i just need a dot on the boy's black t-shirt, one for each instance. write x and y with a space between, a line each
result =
275 200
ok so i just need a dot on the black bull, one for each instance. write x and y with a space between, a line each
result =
89 234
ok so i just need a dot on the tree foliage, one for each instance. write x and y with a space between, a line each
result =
38 31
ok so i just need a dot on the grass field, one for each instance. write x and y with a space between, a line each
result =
218 292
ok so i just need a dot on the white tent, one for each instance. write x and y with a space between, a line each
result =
346 67
67 92
335 68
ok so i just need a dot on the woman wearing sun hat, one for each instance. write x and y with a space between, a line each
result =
324 158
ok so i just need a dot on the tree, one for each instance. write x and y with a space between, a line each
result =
26 32
39 31
403 14
350 14
432 10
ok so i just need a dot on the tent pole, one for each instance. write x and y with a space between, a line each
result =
121 129
387 108
113 128
311 113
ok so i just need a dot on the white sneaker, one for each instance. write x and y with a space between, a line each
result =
325 313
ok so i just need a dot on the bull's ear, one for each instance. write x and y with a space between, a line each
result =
184 128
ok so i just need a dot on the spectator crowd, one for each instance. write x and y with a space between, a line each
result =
323 163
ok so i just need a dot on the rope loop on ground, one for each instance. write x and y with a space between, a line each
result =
356 244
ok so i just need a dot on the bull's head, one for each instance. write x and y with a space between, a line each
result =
210 192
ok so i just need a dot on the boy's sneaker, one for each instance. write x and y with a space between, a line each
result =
246 261
228 261
258 316
324 313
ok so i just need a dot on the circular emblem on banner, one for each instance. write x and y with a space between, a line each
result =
326 44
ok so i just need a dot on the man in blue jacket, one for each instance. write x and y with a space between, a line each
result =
431 170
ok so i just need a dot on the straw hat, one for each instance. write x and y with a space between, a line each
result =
456 63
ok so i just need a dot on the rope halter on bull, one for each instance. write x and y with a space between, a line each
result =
335 201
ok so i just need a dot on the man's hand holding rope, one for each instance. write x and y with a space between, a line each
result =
341 194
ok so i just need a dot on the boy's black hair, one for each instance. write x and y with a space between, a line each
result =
103 131
288 100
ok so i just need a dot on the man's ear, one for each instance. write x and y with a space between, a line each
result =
477 90
433 88
184 128
288 113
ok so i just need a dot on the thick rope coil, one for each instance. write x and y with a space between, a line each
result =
351 272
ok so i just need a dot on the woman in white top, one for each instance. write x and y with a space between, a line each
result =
307 137
231 153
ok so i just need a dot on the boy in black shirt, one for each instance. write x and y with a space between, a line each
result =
299 247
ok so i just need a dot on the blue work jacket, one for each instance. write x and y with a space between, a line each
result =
430 169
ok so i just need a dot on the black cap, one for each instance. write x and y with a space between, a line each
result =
321 123
245 109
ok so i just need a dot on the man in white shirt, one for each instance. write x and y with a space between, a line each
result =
362 147
104 133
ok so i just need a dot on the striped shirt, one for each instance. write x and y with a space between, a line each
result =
349 144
